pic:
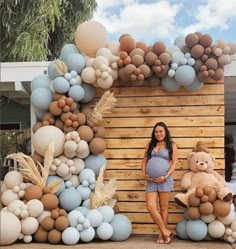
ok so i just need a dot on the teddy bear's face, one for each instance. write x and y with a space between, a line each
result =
201 162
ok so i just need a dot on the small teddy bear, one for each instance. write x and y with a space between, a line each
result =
201 165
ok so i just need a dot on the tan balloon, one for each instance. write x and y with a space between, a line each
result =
90 36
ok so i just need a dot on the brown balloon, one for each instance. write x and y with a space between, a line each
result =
191 40
54 236
41 235
33 192
50 201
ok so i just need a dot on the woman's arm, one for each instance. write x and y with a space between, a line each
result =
144 162
173 162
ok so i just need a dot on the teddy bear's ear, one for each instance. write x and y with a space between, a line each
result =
190 155
201 146
213 158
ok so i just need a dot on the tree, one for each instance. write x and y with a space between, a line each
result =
36 30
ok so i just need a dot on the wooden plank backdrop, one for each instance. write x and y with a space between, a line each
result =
190 116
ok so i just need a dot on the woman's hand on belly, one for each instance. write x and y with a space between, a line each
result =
160 179
148 178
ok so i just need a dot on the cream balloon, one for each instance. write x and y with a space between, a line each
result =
10 227
88 75
90 36
46 135
114 47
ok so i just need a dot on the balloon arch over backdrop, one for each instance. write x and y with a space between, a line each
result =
59 194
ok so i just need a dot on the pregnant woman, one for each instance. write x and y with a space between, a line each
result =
158 164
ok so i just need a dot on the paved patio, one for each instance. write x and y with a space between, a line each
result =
137 242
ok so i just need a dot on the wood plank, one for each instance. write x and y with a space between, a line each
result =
167 111
146 218
139 185
137 174
143 229
140 207
138 153
132 132
136 195
136 164
142 142
170 121
165 100
213 89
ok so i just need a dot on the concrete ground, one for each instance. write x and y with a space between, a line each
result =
134 242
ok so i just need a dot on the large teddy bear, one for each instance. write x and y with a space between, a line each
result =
201 165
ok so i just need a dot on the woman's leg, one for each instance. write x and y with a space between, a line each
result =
164 198
151 203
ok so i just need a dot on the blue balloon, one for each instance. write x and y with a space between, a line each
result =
89 92
95 162
185 75
70 199
169 84
75 62
196 229
122 227
39 113
195 86
76 92
68 49
181 229
42 80
52 72
61 85
41 98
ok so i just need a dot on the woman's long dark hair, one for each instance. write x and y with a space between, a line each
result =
154 141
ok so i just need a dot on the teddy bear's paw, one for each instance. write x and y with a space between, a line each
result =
228 197
180 203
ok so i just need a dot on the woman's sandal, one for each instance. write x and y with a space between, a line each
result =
168 239
160 239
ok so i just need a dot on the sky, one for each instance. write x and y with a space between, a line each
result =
164 20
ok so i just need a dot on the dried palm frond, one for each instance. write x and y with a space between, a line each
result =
103 191
104 195
99 182
61 67
105 105
48 159
36 173
28 168
54 185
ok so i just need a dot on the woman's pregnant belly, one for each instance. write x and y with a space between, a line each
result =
157 166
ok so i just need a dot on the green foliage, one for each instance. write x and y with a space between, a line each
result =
36 30
12 141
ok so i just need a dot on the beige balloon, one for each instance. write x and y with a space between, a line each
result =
88 75
90 36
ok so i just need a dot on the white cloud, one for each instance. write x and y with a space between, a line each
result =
150 21
147 22
213 14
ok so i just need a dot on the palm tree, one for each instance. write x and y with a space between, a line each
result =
36 30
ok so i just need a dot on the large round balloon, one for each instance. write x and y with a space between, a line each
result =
90 36
46 135
41 80
41 98
10 228
169 84
185 75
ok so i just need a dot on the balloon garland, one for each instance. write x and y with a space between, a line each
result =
59 195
